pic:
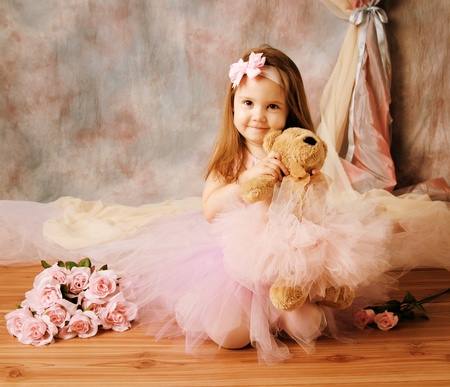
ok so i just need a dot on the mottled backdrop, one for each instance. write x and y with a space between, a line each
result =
121 100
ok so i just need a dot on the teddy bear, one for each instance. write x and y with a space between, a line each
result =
302 151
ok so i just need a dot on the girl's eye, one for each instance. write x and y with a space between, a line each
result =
273 106
248 103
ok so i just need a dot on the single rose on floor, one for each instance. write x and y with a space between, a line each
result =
364 317
388 315
386 320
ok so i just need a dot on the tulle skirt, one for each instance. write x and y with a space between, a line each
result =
187 290
312 240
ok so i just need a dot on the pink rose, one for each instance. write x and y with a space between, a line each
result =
57 273
118 314
45 295
37 331
82 324
101 284
14 320
363 317
58 315
32 302
78 279
49 292
70 307
92 306
386 320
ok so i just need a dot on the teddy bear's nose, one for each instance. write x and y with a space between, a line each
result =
310 140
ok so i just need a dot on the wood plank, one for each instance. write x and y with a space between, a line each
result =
415 353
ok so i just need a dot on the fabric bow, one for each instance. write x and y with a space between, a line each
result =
359 15
251 68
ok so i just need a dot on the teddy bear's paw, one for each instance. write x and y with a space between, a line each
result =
337 297
287 297
252 195
258 189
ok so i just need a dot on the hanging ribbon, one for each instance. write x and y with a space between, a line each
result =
361 17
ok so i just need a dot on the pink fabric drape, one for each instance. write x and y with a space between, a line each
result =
362 95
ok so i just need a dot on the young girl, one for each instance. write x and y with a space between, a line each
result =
257 101
204 296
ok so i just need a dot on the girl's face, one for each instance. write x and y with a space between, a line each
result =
259 105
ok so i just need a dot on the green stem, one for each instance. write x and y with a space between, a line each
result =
409 306
430 298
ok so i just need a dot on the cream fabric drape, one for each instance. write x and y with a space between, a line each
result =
87 223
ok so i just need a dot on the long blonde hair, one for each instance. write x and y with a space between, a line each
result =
228 153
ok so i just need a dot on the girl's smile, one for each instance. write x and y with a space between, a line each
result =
259 105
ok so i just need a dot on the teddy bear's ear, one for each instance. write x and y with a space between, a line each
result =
270 138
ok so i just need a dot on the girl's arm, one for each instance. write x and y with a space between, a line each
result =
215 194
217 191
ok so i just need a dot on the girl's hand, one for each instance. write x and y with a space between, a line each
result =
217 191
269 165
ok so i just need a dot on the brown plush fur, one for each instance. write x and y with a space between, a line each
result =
299 157
287 297
337 297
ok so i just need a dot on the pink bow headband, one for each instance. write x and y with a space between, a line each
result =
252 68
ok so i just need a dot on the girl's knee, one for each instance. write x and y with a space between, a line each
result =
306 322
234 339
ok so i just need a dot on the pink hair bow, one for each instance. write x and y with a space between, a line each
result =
251 68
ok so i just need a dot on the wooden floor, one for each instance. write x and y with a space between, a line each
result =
416 353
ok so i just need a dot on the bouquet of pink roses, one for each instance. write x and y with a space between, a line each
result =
68 300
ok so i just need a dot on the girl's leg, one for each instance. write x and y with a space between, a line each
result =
236 338
304 324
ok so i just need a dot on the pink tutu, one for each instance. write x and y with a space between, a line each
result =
316 245
187 290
